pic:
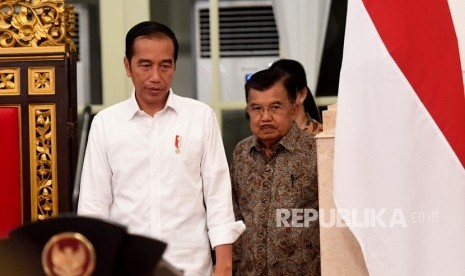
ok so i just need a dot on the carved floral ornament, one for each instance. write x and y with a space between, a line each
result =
36 23
42 131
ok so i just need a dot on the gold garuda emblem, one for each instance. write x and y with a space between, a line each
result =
68 254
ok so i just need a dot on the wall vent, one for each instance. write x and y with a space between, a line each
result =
244 31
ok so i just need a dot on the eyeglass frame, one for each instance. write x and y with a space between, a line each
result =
274 109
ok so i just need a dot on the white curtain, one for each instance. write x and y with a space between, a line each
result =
302 30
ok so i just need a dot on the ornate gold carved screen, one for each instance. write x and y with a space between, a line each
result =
38 141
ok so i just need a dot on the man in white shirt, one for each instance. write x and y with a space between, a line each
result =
156 162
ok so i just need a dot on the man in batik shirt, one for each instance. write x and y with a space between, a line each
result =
274 182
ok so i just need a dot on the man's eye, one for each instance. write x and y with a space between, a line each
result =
256 108
275 108
165 67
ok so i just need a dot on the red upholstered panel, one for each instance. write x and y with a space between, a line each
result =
10 168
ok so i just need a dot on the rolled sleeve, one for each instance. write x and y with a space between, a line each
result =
222 227
226 234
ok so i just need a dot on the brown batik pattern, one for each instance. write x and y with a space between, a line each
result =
286 180
313 127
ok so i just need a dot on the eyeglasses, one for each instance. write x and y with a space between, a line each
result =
258 110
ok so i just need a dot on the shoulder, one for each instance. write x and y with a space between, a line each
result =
112 117
189 105
314 127
243 147
241 157
305 143
114 111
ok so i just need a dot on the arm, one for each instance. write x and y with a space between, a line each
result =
95 192
222 226
223 265
237 249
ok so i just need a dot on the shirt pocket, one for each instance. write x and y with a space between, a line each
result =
292 188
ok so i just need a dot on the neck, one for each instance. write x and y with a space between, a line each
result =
301 117
153 107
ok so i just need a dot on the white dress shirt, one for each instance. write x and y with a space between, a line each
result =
153 175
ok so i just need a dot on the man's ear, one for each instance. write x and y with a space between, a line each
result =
127 66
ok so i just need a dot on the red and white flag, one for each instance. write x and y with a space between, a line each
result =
400 137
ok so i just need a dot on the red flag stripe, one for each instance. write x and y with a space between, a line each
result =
435 52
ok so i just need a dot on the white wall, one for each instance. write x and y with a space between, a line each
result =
116 18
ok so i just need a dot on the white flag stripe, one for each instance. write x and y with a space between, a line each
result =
390 154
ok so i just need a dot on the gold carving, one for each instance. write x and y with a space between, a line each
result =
41 80
9 81
36 23
42 133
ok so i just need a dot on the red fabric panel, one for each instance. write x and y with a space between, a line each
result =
10 167
435 74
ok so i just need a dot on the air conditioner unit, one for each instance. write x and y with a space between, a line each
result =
249 42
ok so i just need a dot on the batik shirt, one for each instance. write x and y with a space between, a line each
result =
313 127
268 194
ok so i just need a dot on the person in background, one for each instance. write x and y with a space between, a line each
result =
156 162
274 181
308 113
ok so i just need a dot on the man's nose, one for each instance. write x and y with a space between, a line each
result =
154 75
266 116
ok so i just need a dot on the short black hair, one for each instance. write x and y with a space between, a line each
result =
265 79
149 28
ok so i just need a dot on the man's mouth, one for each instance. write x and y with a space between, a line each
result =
267 127
155 89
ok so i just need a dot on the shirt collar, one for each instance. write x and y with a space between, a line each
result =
288 141
133 107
